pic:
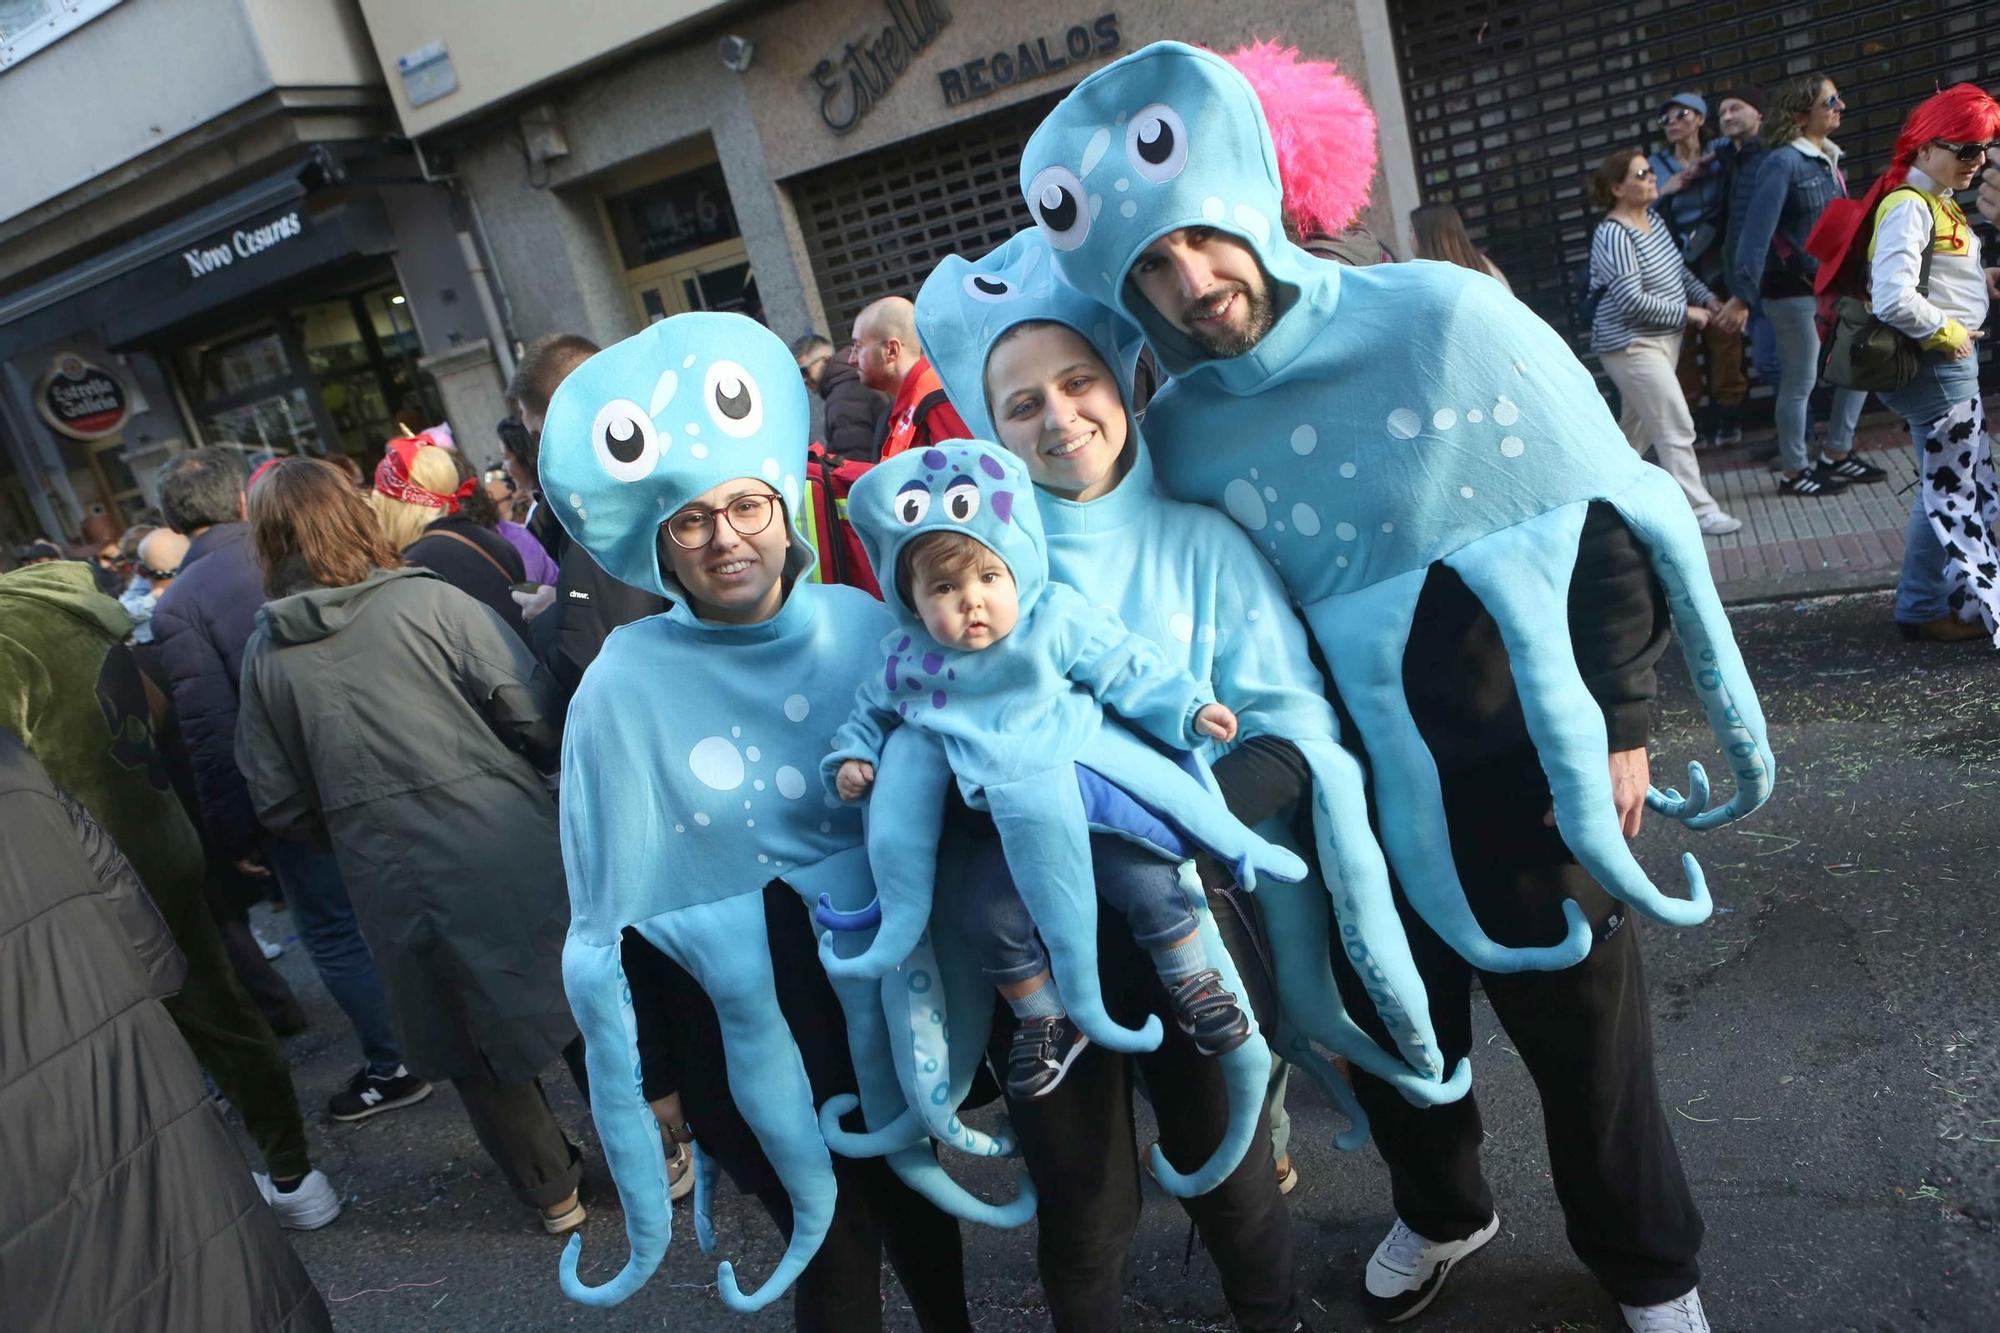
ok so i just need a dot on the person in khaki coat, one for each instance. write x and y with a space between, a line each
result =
388 714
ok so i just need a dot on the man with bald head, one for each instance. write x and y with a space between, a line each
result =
889 359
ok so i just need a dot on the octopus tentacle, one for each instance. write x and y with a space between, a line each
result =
1371 930
767 1077
601 1000
1295 1048
1653 510
1364 634
1672 804
704 1199
1246 1071
1045 837
1521 575
902 855
1295 919
921 1005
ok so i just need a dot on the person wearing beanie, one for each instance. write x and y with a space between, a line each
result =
1694 202
1740 114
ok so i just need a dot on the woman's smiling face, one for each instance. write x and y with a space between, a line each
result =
1057 407
733 577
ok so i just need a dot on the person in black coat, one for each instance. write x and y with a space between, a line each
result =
853 410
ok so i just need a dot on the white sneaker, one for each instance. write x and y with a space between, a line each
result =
264 946
308 1208
1406 1272
1680 1315
1715 523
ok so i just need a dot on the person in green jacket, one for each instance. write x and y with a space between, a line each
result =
72 691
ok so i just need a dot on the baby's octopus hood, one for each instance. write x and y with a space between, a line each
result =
649 423
1171 136
966 305
966 486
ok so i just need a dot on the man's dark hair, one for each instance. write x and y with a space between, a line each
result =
201 490
808 343
544 366
515 439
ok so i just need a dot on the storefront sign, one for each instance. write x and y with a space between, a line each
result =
1028 60
850 86
83 401
243 243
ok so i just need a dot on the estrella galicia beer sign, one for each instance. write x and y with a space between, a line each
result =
83 401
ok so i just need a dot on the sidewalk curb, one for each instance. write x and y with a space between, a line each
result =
1791 588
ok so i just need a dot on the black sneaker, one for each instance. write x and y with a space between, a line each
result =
1812 484
367 1095
1209 1013
1043 1051
1850 469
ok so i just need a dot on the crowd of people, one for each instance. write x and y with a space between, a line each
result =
424 710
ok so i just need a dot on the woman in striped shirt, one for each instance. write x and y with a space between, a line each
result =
1646 298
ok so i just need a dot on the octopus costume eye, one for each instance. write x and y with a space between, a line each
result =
734 402
912 503
623 437
982 288
961 499
1156 143
1057 200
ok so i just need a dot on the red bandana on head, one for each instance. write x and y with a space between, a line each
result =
392 477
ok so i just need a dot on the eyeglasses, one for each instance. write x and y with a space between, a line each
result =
806 368
1965 153
1833 102
1643 173
694 527
1675 115
108 559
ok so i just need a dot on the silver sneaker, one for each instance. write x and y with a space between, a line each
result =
1683 1314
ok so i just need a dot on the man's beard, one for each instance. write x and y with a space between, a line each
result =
1225 342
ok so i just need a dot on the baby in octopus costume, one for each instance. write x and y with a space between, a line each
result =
1391 418
1019 706
685 787
1193 578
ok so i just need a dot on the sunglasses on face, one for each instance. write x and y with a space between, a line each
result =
1675 115
1833 102
1966 152
1643 173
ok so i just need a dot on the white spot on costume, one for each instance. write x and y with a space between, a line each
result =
717 764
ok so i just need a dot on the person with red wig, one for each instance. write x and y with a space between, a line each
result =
1921 266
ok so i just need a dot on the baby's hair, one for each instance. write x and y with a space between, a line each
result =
937 553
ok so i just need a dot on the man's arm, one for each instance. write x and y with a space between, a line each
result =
206 703
1618 624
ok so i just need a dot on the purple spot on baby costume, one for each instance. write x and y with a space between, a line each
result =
937 699
889 673
1003 505
991 466
932 661
904 709
903 644
951 675
934 459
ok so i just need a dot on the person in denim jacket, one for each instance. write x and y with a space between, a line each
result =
1798 177
1694 201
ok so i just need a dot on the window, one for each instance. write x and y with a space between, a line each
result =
26 26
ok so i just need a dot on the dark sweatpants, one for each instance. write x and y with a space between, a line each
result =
1079 1147
230 1039
680 1050
1584 1033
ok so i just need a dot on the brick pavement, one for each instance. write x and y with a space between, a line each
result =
1791 547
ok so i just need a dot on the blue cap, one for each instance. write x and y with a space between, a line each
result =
1692 101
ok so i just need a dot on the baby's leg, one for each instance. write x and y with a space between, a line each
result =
1012 958
1146 888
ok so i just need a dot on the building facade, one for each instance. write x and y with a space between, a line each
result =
226 243
794 161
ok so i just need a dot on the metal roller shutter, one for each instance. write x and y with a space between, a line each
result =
1511 105
876 225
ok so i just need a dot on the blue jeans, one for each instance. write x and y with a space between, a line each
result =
1798 370
1141 884
1763 346
1941 381
311 881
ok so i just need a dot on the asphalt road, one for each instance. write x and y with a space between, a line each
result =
1828 1046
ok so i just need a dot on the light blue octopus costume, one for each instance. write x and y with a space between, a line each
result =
1187 579
1394 417
1023 725
686 786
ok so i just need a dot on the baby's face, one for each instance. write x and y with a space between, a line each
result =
968 609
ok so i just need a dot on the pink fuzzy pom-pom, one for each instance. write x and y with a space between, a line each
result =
1324 131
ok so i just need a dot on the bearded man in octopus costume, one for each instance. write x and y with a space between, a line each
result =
1437 482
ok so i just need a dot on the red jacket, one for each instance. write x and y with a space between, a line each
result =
921 414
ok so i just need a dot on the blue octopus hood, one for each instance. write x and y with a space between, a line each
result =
965 306
647 424
969 486
1391 418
